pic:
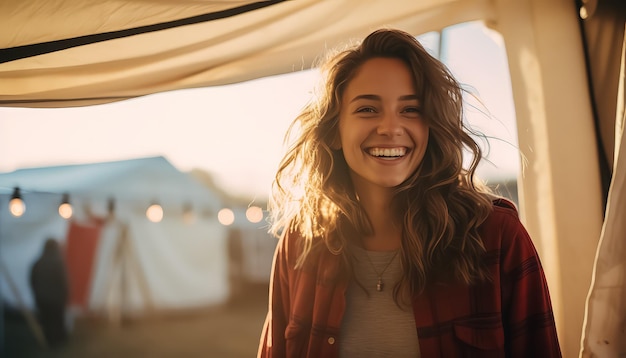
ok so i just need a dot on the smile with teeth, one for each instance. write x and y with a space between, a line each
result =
387 152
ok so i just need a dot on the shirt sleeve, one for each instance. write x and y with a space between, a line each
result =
272 342
530 330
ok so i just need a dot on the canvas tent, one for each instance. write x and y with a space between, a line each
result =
257 247
566 59
138 266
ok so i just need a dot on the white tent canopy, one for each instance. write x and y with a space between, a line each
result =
107 52
138 266
565 74
140 181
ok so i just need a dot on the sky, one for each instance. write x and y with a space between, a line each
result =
236 132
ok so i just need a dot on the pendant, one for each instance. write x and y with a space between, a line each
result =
379 285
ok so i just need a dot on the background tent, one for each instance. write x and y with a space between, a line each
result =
565 58
137 266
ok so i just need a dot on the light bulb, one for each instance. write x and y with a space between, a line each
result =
155 213
226 217
17 207
254 214
16 204
65 209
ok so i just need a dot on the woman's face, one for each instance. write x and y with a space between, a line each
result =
381 131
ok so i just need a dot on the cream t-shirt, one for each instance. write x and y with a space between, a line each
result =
374 326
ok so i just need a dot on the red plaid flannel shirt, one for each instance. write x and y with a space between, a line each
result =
508 317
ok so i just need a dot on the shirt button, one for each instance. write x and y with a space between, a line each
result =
331 340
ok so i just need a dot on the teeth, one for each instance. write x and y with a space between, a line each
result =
388 152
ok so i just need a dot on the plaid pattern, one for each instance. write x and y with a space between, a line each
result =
511 316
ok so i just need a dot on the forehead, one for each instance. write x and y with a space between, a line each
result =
382 75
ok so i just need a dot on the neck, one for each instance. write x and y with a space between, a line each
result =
387 230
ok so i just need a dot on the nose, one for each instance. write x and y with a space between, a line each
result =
390 125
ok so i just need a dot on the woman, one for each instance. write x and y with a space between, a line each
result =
388 248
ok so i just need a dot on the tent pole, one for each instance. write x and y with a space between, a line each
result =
138 273
117 273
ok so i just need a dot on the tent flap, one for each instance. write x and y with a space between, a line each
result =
269 40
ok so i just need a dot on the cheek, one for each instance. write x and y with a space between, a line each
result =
350 141
346 145
422 133
422 138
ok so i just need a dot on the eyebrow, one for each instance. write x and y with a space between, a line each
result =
408 97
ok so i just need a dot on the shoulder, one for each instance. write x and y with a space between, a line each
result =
319 265
290 246
503 212
503 209
503 225
503 232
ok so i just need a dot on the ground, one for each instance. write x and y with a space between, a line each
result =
231 330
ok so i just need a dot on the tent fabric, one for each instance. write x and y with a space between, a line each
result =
281 38
80 251
605 316
135 181
139 266
603 32
143 268
162 19
556 135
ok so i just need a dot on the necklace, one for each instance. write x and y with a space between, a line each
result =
380 285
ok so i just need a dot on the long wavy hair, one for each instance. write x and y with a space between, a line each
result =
441 205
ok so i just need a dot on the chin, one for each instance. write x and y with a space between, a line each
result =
391 183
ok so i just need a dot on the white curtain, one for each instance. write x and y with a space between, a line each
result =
604 333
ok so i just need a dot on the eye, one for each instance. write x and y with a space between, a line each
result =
412 109
365 110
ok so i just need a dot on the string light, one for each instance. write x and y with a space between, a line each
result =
155 213
65 209
16 204
254 214
226 217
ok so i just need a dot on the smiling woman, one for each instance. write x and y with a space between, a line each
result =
381 99
389 201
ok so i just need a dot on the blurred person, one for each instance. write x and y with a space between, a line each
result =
389 246
236 263
49 283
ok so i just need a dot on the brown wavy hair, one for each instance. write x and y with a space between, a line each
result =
441 204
